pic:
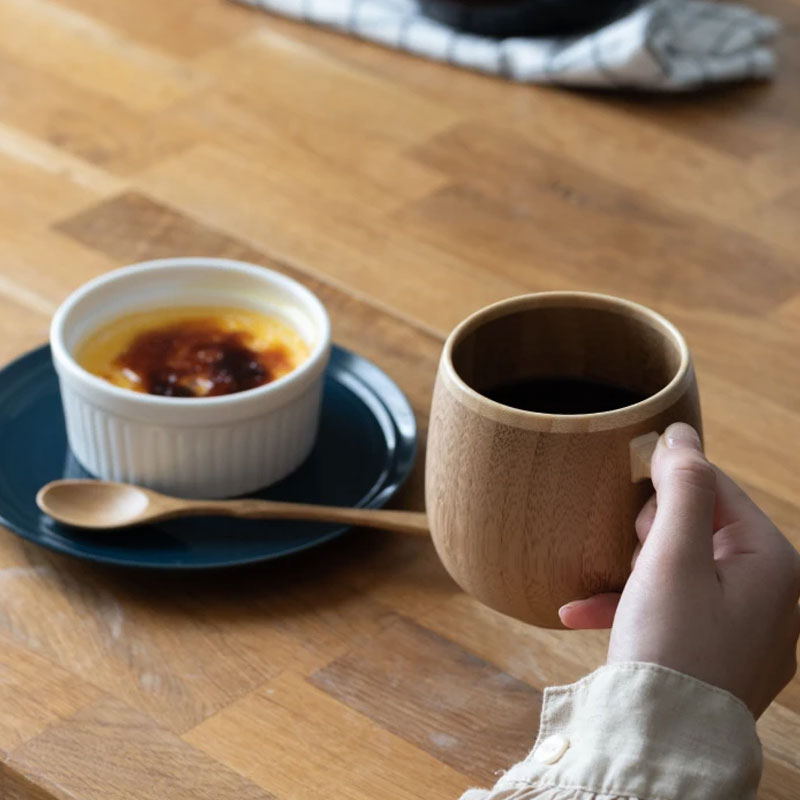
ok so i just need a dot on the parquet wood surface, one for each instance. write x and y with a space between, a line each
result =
406 194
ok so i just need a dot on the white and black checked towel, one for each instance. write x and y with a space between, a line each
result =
666 45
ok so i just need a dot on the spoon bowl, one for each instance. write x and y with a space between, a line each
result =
106 505
93 504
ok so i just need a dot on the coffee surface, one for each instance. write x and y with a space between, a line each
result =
563 395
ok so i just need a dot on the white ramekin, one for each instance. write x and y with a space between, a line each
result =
191 447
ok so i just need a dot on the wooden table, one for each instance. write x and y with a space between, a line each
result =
406 194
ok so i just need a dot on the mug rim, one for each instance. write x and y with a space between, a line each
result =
566 423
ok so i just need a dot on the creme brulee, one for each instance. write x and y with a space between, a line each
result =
196 351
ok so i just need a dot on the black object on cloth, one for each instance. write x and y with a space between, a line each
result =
504 18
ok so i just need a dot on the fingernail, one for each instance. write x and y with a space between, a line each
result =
679 434
564 608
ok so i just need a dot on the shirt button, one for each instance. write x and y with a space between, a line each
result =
551 749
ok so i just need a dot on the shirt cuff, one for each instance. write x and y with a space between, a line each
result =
643 731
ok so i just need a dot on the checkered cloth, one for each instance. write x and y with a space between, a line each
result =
663 45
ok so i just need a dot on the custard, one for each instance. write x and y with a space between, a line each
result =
195 351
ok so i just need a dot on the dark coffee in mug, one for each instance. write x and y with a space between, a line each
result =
563 395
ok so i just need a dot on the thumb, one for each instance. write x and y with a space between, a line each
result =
686 485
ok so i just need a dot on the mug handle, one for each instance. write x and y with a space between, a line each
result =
641 450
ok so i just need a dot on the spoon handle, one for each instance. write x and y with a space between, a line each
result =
389 520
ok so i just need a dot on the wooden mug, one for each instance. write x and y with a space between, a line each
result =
529 510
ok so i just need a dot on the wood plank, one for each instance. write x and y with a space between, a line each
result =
109 751
34 692
110 627
48 35
785 514
512 196
439 697
747 435
451 87
16 786
778 781
27 275
291 142
537 656
28 150
659 162
732 346
403 573
312 746
300 83
356 251
33 193
101 130
181 27
776 728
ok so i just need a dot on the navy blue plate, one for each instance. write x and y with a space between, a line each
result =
364 452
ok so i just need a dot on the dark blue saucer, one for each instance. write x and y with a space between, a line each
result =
364 452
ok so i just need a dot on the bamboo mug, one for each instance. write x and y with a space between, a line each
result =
531 510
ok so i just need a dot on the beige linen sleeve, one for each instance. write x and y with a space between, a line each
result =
637 731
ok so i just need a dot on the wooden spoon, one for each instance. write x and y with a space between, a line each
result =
104 504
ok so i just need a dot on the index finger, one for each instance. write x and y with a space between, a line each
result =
685 484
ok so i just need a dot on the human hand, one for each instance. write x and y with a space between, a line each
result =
714 587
